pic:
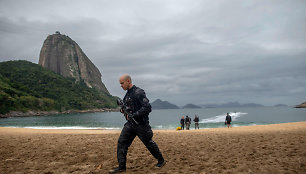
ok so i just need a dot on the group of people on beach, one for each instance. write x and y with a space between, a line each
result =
187 121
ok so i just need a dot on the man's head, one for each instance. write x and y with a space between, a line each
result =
125 82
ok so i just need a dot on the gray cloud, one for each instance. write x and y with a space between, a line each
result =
181 51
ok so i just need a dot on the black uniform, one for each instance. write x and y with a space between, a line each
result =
187 122
196 122
139 108
228 119
182 123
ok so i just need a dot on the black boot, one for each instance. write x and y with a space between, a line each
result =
118 170
160 163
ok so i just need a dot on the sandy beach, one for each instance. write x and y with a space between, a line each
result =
278 148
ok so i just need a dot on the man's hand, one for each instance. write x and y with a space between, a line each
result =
129 116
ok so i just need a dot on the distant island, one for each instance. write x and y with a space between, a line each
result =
230 104
159 104
191 106
280 105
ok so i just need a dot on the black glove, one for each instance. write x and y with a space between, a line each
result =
130 116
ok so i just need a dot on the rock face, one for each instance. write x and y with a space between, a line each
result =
303 105
62 55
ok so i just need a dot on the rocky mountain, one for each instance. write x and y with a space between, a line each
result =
303 105
159 104
64 56
190 106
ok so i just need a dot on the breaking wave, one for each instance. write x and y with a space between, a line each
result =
221 118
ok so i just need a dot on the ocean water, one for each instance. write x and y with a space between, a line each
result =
162 119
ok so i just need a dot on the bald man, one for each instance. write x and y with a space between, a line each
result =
137 109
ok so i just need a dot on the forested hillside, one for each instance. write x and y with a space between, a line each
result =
27 86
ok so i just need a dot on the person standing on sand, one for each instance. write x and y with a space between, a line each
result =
187 122
228 120
136 110
182 122
196 122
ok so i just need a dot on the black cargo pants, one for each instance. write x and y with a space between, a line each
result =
128 133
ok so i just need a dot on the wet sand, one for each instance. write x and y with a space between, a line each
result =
278 148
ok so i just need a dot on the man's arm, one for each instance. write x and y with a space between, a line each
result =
145 108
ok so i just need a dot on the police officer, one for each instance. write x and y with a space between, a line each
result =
196 122
228 120
137 109
187 122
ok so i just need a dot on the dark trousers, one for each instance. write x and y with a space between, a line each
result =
196 125
182 126
128 133
187 125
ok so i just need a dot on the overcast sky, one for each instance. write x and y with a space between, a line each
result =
182 51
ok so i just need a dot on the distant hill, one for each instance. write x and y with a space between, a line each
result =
230 104
211 105
159 104
252 105
190 106
280 105
25 86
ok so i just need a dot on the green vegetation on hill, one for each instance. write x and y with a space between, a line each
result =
27 86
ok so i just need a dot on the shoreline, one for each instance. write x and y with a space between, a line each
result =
71 128
277 126
275 148
80 128
45 113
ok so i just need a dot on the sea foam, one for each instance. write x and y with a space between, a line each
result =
221 118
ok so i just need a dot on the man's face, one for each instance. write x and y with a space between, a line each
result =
124 84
